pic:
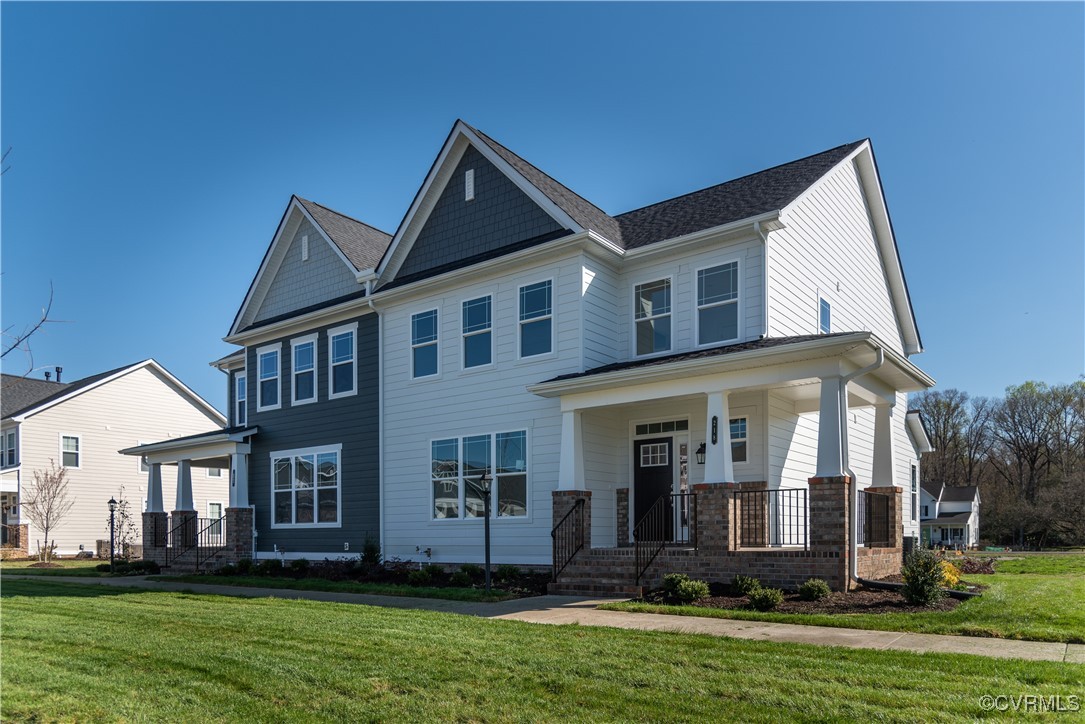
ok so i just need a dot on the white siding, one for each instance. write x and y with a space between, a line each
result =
138 407
600 289
793 443
829 247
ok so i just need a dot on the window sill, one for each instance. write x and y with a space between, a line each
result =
303 526
341 395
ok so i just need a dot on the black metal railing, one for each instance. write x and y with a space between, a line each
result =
568 537
9 535
206 536
672 520
873 520
771 518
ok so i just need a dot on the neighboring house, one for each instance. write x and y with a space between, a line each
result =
81 425
606 371
950 515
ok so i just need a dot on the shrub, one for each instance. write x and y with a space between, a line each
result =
814 589
506 572
371 550
472 570
419 578
923 574
244 566
951 574
459 579
692 590
744 585
766 599
299 565
435 571
672 581
976 565
102 567
268 567
227 570
145 567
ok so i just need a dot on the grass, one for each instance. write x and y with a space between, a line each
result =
1039 598
85 652
68 567
318 584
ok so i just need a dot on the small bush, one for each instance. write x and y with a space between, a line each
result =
145 567
814 589
299 565
103 568
506 572
976 565
268 567
475 572
744 585
951 574
419 577
459 579
371 551
227 570
435 571
672 581
244 566
692 590
923 575
766 599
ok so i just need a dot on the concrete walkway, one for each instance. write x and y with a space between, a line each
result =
583 611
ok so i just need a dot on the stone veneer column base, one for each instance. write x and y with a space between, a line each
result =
155 536
829 526
239 527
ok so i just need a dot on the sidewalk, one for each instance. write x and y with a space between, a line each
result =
582 611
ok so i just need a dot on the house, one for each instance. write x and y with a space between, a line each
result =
715 383
81 425
950 515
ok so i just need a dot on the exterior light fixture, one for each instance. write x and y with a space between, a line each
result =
700 454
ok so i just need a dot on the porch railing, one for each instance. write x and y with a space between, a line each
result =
672 520
10 536
568 537
207 536
873 519
771 518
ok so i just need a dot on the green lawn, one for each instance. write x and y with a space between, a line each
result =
68 567
318 584
1038 598
86 652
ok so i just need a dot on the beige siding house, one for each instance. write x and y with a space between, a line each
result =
81 425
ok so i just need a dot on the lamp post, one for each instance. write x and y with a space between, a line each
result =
485 483
112 532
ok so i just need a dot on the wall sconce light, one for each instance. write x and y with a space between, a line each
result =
700 454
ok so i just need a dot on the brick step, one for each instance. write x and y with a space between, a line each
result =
595 588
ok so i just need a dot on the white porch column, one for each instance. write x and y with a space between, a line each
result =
239 480
830 433
884 452
571 468
154 488
718 466
184 486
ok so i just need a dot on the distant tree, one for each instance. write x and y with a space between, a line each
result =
945 417
21 340
46 503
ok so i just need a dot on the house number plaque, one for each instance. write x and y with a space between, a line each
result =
715 429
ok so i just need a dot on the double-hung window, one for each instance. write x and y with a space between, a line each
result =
477 332
738 439
825 316
10 453
458 464
303 387
652 316
536 319
342 350
424 346
915 492
717 304
241 395
305 487
71 455
267 392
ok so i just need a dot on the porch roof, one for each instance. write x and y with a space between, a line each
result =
800 355
956 519
205 449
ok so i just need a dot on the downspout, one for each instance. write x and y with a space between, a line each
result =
764 281
853 487
369 284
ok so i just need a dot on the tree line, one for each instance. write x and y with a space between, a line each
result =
1025 452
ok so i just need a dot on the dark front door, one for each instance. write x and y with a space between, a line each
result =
653 469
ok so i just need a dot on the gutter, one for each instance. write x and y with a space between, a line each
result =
853 486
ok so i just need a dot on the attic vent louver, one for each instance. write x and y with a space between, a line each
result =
469 185
305 247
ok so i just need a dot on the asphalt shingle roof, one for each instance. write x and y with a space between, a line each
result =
958 493
932 489
19 394
361 243
949 519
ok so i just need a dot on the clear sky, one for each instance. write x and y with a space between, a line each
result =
156 147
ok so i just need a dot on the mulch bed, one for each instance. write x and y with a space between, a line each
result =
45 565
862 600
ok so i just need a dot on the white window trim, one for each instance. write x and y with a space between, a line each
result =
219 503
294 344
465 335
738 302
314 451
746 439
521 322
79 451
914 498
216 477
13 431
260 407
242 375
460 478
332 334
436 343
669 278
823 300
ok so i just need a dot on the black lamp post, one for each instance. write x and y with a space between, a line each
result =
485 483
112 532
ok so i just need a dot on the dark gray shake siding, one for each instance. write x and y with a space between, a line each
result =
349 421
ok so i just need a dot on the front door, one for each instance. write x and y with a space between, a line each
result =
653 472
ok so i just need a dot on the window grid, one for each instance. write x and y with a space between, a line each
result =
654 455
717 304
456 464
425 361
10 456
305 488
342 352
536 319
70 451
241 394
738 439
652 316
477 332
303 388
268 370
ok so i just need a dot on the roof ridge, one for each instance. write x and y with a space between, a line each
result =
345 216
739 178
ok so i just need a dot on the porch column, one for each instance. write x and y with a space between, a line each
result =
184 486
883 473
571 466
830 433
239 480
718 466
154 488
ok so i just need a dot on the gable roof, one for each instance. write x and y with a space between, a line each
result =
959 493
67 390
18 393
932 489
742 198
361 243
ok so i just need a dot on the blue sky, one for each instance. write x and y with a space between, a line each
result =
156 147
